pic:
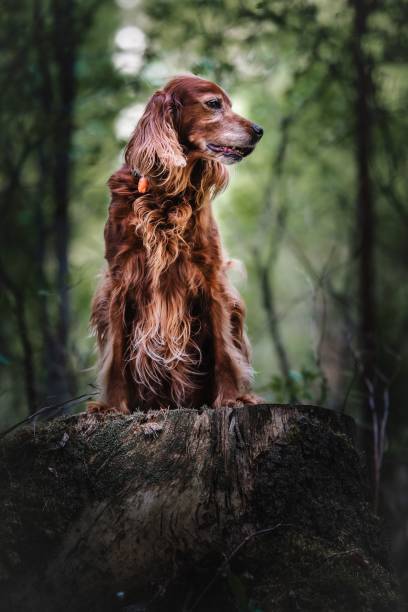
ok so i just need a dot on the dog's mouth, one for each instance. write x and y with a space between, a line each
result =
236 153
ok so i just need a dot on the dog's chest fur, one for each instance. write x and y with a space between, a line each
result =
167 259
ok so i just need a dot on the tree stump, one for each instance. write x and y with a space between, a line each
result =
259 508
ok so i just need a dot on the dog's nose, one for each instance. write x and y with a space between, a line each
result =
257 130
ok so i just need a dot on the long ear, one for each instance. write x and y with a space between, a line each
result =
154 147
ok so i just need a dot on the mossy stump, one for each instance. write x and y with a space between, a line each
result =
259 508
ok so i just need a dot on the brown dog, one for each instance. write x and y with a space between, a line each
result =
170 327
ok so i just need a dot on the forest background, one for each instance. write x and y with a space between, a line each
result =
318 215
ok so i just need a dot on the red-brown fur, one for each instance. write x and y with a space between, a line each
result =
169 325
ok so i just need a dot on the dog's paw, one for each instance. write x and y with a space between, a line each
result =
227 402
251 399
96 407
248 399
232 403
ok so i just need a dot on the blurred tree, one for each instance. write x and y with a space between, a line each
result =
45 66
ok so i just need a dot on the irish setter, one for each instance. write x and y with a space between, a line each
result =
169 325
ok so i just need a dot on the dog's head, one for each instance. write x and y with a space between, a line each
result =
189 118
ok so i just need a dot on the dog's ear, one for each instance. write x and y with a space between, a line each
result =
154 147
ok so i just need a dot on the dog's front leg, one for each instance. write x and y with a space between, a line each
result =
241 341
114 395
108 325
231 368
112 381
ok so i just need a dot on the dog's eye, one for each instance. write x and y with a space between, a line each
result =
213 103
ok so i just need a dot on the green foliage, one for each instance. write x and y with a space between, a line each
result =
289 209
308 386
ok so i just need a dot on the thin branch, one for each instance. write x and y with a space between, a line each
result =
50 411
268 300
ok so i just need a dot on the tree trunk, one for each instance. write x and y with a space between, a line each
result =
253 508
65 49
365 202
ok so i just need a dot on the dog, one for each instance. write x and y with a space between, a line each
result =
169 325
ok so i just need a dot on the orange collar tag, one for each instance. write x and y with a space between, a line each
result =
143 184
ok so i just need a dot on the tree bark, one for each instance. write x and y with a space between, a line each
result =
252 508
